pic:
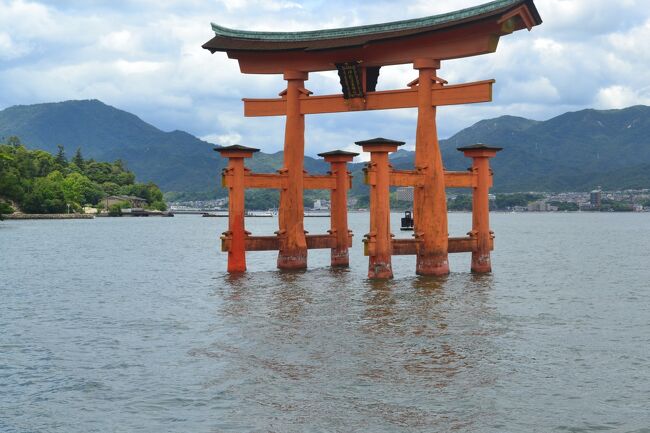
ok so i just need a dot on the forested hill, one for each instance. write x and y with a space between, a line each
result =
573 151
174 160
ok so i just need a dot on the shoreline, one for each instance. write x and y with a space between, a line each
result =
52 216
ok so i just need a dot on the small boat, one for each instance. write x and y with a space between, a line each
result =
407 221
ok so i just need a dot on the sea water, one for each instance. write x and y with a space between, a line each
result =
132 324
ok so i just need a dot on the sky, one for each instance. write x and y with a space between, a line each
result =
145 57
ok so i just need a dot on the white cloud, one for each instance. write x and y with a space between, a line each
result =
621 96
227 139
10 49
141 67
146 57
235 5
122 41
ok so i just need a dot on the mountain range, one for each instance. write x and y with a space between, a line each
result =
574 151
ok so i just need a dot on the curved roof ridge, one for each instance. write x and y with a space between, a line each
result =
368 29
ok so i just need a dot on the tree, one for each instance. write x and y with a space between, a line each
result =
47 195
363 201
158 205
78 159
11 184
261 199
507 201
79 190
60 158
5 208
115 210
565 206
461 202
39 182
14 141
148 191
42 163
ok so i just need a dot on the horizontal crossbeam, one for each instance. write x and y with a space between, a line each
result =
453 179
279 181
264 180
405 178
316 181
272 243
465 244
467 93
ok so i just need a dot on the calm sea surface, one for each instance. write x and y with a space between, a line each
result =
132 325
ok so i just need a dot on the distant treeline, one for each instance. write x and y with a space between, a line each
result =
463 202
39 182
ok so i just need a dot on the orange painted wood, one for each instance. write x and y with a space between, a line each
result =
453 179
293 245
272 243
429 202
315 181
464 244
264 107
321 241
339 210
481 261
236 231
406 178
467 93
265 180
262 243
460 179
521 14
280 181
452 43
378 240
405 247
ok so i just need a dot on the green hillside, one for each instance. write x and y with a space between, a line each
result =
174 160
573 151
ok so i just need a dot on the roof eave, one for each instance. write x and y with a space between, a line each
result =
225 38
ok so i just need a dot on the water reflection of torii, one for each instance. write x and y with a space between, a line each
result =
358 53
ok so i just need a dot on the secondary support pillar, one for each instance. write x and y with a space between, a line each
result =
429 200
236 233
293 245
481 154
338 160
378 242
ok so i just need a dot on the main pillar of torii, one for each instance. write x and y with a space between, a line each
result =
358 53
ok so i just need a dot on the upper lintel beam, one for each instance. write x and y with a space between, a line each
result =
480 91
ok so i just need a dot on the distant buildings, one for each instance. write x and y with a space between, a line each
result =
321 204
404 193
595 198
541 206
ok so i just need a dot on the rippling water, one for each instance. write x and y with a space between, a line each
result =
124 325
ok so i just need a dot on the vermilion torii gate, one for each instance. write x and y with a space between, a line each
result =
358 53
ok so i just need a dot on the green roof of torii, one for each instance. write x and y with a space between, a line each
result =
228 39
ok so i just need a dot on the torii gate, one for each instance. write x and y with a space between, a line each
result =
358 53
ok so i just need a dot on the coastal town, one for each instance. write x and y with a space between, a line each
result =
597 200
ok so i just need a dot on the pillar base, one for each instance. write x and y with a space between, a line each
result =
481 263
379 270
236 268
432 265
340 258
292 261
